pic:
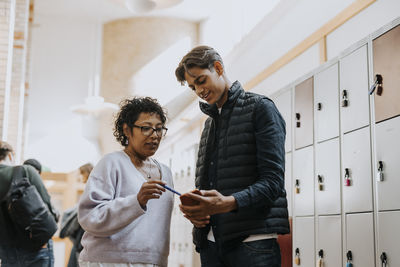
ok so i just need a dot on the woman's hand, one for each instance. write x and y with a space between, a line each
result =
151 189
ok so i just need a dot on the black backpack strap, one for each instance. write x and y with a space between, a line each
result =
18 173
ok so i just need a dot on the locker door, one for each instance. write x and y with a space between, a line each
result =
330 240
388 156
389 237
386 54
360 239
303 167
303 246
356 171
288 181
284 105
354 98
326 85
327 177
304 114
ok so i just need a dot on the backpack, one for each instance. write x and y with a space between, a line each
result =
33 222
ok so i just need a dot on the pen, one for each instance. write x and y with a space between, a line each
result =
170 189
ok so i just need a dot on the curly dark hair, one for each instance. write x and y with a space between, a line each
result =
201 56
5 148
130 112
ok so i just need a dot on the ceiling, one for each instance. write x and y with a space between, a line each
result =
193 10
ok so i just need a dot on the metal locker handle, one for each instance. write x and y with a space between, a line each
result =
297 120
345 100
380 176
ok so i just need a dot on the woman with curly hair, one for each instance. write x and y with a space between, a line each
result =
125 210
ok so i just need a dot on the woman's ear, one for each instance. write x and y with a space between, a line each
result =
218 68
126 129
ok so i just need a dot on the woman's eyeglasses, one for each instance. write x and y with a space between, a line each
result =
147 130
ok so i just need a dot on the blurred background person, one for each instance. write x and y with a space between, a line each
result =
70 226
85 170
124 209
11 254
35 164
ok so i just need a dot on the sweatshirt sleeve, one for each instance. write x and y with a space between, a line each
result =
100 213
270 141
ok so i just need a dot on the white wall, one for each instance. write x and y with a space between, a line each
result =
273 38
62 60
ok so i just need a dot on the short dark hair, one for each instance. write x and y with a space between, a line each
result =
34 163
5 148
201 56
130 112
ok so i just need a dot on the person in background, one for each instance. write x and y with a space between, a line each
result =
35 164
240 169
125 210
70 226
85 170
11 254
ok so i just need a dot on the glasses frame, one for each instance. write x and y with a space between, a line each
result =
142 130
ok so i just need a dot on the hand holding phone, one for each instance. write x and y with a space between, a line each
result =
186 200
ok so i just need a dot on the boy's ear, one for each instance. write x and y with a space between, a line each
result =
218 68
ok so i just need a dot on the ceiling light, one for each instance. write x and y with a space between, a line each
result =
140 6
143 6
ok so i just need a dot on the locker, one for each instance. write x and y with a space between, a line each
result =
329 245
284 105
303 116
386 62
360 239
303 182
303 246
387 165
326 105
354 97
356 171
288 181
327 177
389 237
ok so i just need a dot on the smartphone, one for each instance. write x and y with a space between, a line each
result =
187 200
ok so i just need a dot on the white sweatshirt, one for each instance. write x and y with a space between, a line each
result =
117 229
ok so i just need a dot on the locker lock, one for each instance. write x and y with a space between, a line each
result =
297 186
320 182
384 260
345 99
319 105
347 180
380 176
297 120
297 256
349 256
377 85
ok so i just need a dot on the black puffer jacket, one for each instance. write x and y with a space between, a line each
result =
250 166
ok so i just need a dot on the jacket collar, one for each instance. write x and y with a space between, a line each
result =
233 93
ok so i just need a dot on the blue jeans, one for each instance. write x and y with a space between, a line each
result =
16 257
261 253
